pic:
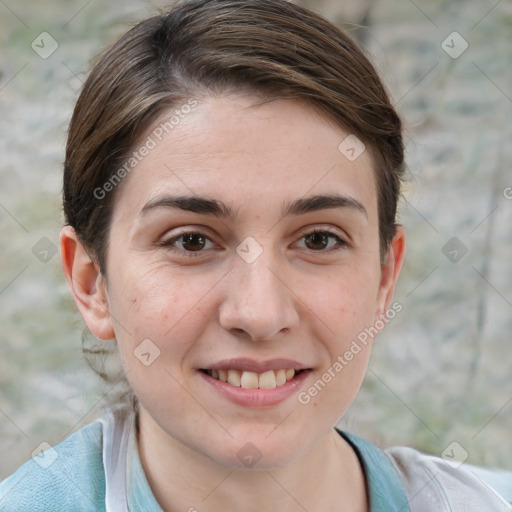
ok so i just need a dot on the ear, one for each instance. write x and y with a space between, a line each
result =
390 271
87 284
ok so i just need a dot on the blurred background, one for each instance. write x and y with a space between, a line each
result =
440 371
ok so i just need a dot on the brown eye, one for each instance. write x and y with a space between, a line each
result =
317 241
321 240
193 241
188 243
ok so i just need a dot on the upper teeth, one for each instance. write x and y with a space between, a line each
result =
252 380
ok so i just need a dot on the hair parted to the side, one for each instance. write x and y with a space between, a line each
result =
202 48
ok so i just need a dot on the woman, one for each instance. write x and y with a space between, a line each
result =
230 189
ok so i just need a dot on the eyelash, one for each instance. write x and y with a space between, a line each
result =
340 243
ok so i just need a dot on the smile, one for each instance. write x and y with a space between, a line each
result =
252 383
251 380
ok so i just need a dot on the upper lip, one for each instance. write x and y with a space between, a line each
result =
252 365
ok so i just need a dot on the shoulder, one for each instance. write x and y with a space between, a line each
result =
432 483
67 476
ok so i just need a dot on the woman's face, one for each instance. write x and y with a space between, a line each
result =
215 271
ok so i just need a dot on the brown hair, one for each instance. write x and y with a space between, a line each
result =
199 48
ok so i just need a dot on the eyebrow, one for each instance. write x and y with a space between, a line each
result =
216 208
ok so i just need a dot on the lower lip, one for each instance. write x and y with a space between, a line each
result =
257 397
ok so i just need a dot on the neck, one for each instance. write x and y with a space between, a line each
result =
181 479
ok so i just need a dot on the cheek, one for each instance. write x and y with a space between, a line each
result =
346 307
345 300
161 304
159 315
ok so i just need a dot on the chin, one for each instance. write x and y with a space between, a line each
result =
261 448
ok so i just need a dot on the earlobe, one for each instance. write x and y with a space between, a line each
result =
390 271
87 284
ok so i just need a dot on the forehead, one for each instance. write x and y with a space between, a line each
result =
248 152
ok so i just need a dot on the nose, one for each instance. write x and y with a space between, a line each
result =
258 302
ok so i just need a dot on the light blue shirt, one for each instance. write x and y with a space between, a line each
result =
98 468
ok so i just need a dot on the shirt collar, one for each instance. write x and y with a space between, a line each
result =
385 489
140 495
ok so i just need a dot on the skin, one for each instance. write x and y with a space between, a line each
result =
294 301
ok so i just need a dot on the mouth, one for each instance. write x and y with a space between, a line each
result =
252 383
269 379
